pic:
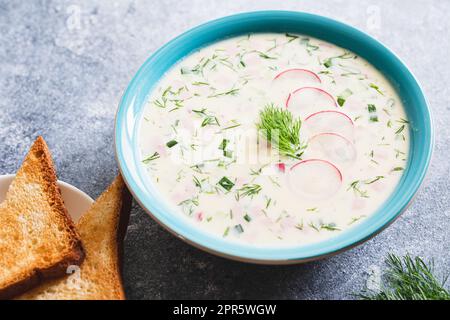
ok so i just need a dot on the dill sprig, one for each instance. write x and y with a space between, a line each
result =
248 190
283 131
408 278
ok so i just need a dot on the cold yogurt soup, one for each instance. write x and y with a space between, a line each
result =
274 139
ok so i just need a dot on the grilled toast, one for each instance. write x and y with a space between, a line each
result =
102 229
38 239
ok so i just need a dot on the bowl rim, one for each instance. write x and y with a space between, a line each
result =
265 255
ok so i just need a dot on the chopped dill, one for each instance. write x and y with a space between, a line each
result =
355 219
268 202
210 121
231 92
291 37
248 190
399 130
197 182
373 180
154 156
300 225
330 227
376 88
265 56
355 185
200 83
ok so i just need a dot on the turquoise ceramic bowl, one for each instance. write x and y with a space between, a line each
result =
135 98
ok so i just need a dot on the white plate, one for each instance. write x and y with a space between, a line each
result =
77 202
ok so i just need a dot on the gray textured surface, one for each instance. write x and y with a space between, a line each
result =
62 77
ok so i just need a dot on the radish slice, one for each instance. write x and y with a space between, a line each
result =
315 179
333 147
291 79
306 100
329 121
297 74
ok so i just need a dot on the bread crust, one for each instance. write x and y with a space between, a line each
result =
74 254
124 218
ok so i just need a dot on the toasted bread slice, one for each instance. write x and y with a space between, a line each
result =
38 239
102 230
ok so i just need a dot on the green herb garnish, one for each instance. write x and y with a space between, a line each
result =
247 218
343 96
329 227
281 129
228 153
210 121
355 185
154 156
355 219
249 190
400 129
231 92
408 278
372 112
239 228
223 144
226 183
374 180
291 37
171 143
374 86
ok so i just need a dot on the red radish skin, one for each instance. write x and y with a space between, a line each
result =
330 121
319 160
329 111
315 179
298 70
310 88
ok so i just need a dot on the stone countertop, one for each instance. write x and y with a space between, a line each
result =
65 64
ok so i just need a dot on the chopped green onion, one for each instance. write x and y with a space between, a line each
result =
228 153
223 144
328 63
171 143
343 96
226 183
372 112
239 228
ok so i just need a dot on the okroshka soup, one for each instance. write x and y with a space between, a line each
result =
274 139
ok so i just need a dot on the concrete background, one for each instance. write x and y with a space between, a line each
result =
65 64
